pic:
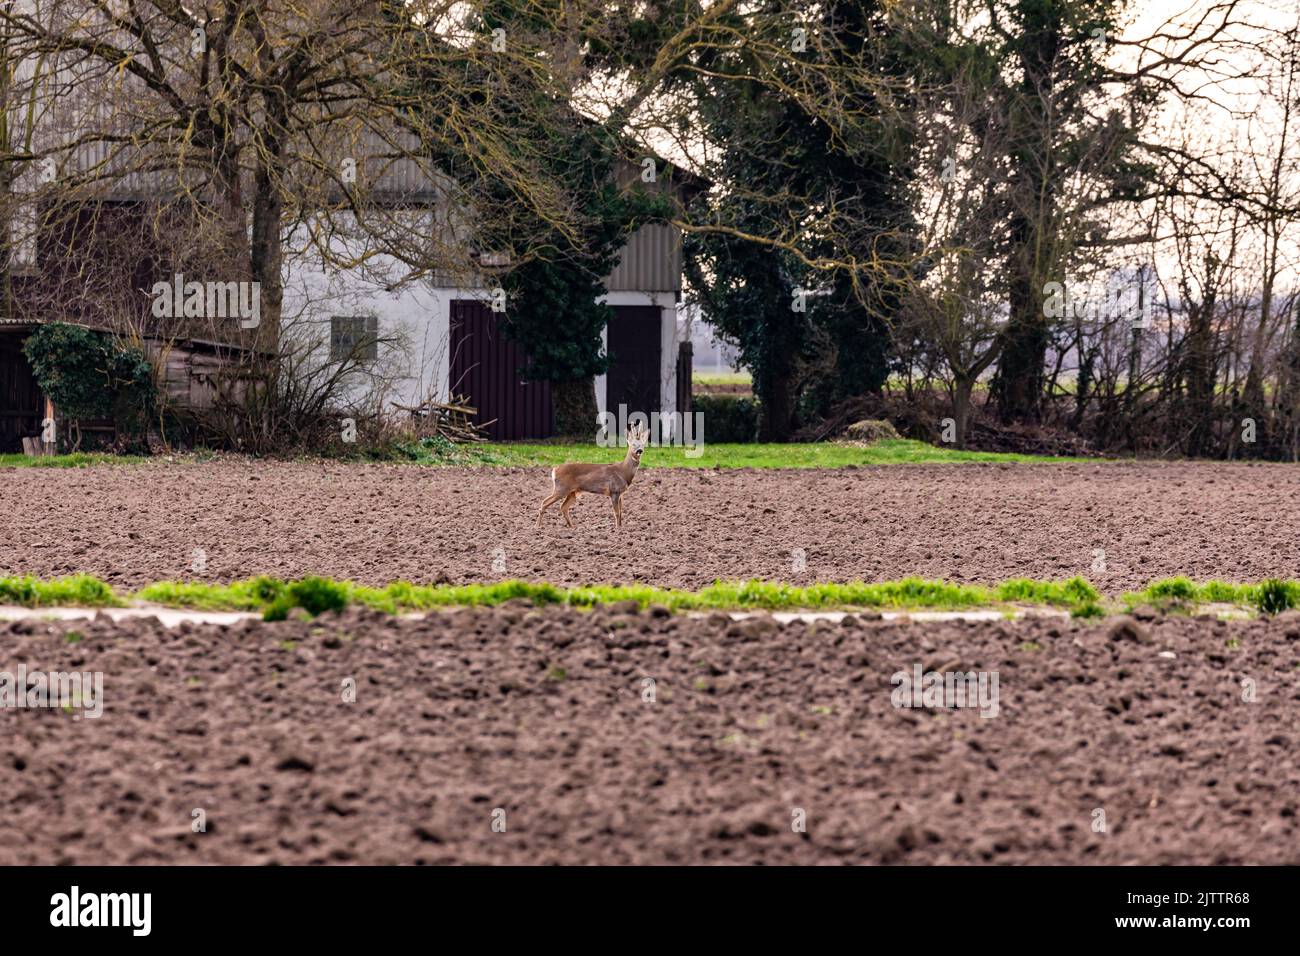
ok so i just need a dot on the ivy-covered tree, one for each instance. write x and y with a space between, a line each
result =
748 293
860 175
88 374
814 181
552 308
552 289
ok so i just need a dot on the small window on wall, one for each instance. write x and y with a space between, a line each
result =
355 337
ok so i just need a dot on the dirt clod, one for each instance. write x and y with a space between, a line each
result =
1127 629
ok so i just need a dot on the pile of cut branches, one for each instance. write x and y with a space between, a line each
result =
452 419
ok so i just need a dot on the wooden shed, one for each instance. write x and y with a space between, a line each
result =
21 403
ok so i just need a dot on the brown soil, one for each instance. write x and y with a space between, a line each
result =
541 714
975 523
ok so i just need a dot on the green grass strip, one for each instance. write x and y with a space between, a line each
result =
1069 593
400 596
900 451
80 459
440 452
276 599
254 594
78 590
1271 596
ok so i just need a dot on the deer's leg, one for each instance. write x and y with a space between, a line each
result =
618 510
546 504
567 505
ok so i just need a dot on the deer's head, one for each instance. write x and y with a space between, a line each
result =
637 436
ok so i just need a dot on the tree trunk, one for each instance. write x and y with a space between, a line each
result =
1018 386
1201 377
1289 392
1083 383
777 422
961 392
1035 176
575 407
267 260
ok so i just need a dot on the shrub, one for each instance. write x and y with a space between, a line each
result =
1176 589
1274 596
265 588
314 595
870 430
88 374
728 418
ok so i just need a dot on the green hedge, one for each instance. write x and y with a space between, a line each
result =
727 418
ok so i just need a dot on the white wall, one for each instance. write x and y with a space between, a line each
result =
414 311
420 313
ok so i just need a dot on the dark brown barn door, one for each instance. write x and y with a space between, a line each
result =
634 346
20 398
485 366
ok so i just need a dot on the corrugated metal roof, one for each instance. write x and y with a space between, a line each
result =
650 262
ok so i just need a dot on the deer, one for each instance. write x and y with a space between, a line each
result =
569 479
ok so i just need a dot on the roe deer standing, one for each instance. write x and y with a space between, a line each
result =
612 480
